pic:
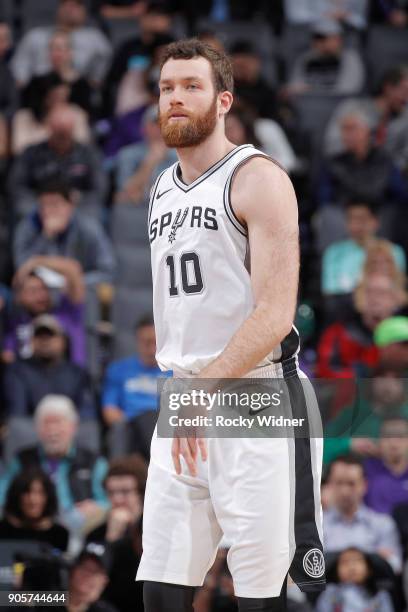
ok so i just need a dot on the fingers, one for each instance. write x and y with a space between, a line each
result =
202 445
188 448
175 453
189 453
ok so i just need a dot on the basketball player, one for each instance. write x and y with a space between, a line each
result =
215 320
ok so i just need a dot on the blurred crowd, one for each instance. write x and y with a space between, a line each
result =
322 87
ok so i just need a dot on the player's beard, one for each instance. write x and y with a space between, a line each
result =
191 132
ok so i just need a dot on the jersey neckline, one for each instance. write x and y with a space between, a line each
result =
184 187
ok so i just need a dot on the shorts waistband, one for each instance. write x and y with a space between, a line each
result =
282 369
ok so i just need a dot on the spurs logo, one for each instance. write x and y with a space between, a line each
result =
313 563
178 222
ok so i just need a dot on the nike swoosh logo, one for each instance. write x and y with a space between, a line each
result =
159 195
252 411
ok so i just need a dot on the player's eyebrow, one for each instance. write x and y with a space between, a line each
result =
185 79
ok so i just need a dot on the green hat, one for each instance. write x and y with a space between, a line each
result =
394 329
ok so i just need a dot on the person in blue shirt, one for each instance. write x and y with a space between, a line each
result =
343 261
130 400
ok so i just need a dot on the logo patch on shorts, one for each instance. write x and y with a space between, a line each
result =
313 563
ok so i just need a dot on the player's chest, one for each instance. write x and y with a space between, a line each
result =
178 219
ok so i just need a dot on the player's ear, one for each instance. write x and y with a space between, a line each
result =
225 100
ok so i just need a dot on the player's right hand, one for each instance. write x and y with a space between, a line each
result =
188 448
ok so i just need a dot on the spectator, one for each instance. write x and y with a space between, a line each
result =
349 523
327 67
76 472
243 127
249 85
30 509
362 171
390 12
8 92
61 60
381 259
386 114
40 97
32 297
140 164
120 9
125 86
61 155
354 586
56 229
391 338
27 381
343 261
351 13
129 401
357 427
121 532
387 475
124 485
88 578
211 38
91 50
346 347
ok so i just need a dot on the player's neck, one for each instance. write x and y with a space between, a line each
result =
194 161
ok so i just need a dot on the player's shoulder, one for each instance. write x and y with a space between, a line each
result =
259 170
258 177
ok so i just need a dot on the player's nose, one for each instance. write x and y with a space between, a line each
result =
176 98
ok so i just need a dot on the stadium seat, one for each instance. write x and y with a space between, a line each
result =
128 306
134 268
313 112
121 30
129 225
7 11
386 47
35 13
294 40
257 33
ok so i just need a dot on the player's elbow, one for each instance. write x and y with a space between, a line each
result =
283 328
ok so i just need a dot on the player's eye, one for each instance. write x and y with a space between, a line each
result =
192 86
165 88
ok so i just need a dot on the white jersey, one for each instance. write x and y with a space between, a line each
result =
201 285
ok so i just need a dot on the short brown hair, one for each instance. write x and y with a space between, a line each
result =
192 47
131 465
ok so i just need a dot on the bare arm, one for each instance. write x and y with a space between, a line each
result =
66 266
263 198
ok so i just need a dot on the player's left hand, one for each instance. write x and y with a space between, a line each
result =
188 448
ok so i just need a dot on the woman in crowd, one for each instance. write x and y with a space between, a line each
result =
41 96
30 509
353 585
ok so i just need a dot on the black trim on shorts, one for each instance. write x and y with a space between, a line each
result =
305 529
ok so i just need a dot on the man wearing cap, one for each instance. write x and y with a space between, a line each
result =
391 337
27 381
88 577
327 67
35 294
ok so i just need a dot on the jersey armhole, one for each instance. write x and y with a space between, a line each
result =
153 195
240 227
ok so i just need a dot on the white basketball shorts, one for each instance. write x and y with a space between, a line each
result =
262 495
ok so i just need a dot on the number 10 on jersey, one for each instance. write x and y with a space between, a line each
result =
186 269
